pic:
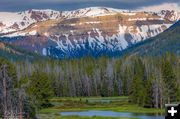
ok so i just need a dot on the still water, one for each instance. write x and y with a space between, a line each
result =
112 114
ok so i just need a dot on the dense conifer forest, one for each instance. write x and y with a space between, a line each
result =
26 86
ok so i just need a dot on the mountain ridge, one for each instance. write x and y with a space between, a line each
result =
35 15
90 31
166 42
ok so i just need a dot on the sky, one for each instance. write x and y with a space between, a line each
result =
66 5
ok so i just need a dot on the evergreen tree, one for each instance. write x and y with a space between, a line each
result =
138 94
40 89
149 92
170 80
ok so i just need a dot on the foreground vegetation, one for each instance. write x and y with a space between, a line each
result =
117 104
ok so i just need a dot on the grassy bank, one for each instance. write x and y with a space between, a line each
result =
43 116
118 104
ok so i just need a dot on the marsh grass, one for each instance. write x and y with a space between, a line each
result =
118 104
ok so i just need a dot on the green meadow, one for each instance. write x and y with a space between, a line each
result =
117 104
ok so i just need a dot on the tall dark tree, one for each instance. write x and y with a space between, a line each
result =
8 100
40 89
138 94
169 78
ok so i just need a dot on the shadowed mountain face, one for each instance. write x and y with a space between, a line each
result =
168 41
83 32
14 53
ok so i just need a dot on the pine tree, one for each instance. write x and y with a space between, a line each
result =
170 79
40 89
149 92
138 94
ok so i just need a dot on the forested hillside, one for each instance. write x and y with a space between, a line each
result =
16 54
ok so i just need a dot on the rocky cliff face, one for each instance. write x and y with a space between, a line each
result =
90 31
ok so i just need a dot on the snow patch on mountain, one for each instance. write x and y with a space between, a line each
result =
98 35
92 12
21 20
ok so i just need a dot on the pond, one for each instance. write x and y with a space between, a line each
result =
112 114
99 101
106 100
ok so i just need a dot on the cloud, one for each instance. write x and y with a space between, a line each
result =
164 6
120 1
19 5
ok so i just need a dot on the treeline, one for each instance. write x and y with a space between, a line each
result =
148 81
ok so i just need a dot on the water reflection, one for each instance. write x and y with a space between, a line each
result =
112 114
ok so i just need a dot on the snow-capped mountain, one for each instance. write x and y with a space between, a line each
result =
10 22
18 21
90 31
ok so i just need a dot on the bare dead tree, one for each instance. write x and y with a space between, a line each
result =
9 100
6 92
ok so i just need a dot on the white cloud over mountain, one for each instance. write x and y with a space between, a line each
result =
164 6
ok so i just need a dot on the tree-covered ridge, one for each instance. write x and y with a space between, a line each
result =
168 41
16 54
